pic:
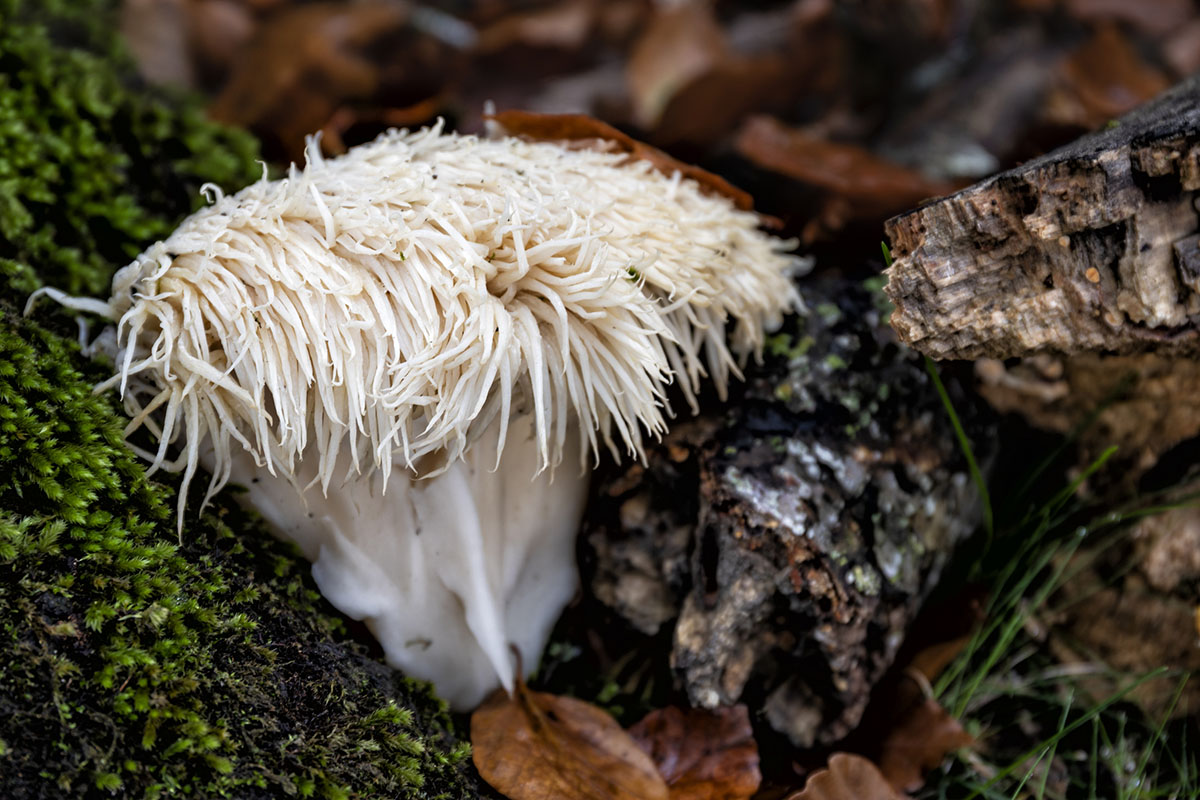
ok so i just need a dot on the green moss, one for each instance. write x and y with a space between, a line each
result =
132 664
90 169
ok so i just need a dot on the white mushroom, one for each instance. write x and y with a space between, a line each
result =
396 350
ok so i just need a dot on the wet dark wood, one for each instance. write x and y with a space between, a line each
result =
786 540
1089 248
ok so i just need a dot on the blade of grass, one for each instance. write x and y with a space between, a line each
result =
964 444
1072 436
1092 713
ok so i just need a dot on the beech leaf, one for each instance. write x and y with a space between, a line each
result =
921 741
588 131
702 755
537 746
848 777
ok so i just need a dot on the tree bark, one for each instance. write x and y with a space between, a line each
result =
1090 248
790 541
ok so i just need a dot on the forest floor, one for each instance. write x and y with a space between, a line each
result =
1053 659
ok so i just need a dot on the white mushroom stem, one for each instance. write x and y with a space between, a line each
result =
449 571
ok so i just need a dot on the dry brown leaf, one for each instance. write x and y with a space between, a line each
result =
302 65
921 741
711 106
845 169
862 185
1158 17
156 33
930 661
682 42
218 33
702 755
588 131
848 777
1182 48
692 81
566 25
536 746
1103 79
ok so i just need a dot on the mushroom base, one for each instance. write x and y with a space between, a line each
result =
448 572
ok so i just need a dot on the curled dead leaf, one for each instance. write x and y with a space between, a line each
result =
848 777
681 42
930 661
1157 17
844 169
860 184
702 755
301 66
921 741
1102 79
537 746
565 25
590 132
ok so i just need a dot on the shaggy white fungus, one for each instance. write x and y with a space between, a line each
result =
395 349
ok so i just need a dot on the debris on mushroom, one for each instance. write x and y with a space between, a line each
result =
411 354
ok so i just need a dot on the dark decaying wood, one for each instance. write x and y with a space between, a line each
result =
790 538
1090 248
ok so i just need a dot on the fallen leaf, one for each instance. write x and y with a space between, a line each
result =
156 33
922 740
848 777
566 25
711 106
862 185
302 65
537 746
930 661
681 42
1182 48
845 169
692 81
702 755
1157 17
218 31
1104 78
345 118
589 132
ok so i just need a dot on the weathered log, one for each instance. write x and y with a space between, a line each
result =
790 541
1090 248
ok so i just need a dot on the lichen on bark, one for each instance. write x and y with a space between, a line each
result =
133 663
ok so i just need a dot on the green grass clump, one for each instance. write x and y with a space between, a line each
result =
1044 732
133 664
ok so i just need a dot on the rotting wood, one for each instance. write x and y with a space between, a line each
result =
788 541
1089 248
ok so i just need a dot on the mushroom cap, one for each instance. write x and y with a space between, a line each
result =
395 301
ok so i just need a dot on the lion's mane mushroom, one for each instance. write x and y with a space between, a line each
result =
393 350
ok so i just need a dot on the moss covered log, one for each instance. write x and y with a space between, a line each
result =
133 664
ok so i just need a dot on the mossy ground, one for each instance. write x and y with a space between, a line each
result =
134 664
